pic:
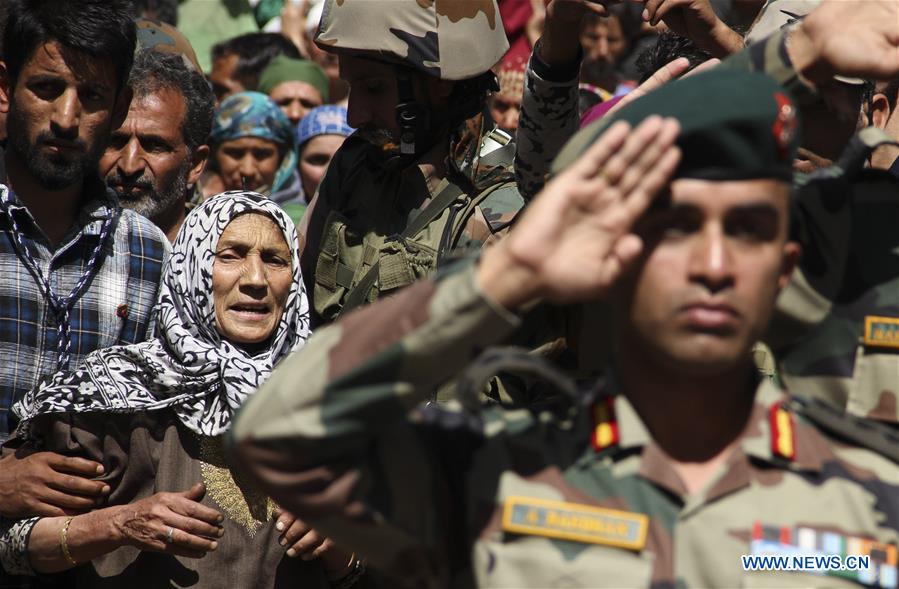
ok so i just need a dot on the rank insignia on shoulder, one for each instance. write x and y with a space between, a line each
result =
783 432
605 425
881 332
575 522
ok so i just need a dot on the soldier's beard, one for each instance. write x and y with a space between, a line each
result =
384 140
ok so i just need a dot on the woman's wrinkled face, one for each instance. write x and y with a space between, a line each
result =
253 158
251 278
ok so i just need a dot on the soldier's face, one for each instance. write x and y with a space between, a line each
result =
715 258
372 100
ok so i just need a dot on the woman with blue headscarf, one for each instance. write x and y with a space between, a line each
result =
254 148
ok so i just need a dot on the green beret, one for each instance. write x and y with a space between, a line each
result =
734 126
284 69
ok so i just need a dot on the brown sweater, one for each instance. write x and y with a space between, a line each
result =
147 453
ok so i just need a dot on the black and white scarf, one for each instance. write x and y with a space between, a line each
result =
188 367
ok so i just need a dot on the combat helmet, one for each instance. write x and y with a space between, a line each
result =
455 40
447 39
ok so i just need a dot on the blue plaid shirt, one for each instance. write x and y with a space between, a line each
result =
116 307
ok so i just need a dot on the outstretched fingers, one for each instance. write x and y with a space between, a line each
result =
591 163
619 164
652 183
651 148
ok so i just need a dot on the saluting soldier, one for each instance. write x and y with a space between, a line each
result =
682 461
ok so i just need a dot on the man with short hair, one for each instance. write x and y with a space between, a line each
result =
682 459
79 273
237 63
160 150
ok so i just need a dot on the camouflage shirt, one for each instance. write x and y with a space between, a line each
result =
548 119
364 206
836 331
523 498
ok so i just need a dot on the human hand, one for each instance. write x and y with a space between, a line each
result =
175 523
47 484
696 20
670 71
847 37
293 23
560 22
301 540
574 241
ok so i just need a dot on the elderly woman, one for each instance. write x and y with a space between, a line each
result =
253 148
231 307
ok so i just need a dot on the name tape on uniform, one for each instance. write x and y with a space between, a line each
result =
882 332
575 522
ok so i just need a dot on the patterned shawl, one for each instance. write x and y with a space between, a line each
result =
188 367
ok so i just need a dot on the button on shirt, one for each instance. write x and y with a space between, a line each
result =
127 277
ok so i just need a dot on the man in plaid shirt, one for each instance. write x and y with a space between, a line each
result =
78 272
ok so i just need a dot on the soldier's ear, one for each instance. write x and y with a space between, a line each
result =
5 89
791 254
880 110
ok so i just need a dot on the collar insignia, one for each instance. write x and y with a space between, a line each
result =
605 425
783 432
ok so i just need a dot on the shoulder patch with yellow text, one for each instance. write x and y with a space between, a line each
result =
882 332
575 522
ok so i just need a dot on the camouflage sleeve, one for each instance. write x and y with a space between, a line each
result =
549 118
332 436
770 57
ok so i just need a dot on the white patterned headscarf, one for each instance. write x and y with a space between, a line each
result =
188 367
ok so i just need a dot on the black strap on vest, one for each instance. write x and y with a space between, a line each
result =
358 295
515 360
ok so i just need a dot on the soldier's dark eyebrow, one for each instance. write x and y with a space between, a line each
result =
764 209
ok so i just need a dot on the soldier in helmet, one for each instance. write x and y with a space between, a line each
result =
667 474
427 173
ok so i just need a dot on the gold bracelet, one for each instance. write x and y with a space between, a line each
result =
64 542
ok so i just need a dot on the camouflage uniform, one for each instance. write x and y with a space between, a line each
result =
538 499
825 348
548 119
835 330
573 491
373 227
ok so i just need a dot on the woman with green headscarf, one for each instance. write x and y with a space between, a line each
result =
254 148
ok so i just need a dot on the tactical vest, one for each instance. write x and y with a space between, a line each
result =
355 267
835 331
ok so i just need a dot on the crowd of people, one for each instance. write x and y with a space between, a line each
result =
453 293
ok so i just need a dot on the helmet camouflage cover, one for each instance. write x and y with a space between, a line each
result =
448 39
